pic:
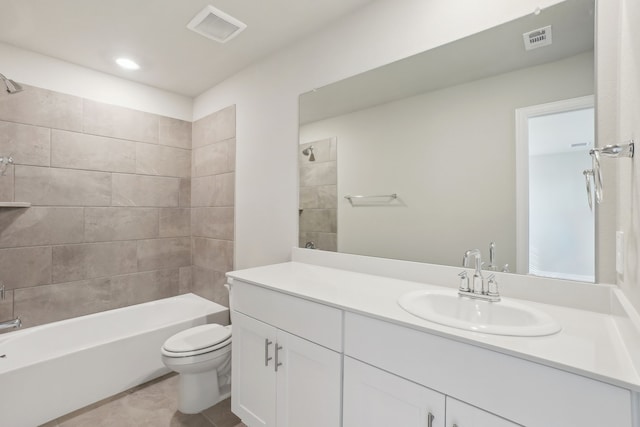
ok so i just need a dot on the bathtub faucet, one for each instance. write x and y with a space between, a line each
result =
11 324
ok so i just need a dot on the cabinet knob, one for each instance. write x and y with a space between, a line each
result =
267 343
430 418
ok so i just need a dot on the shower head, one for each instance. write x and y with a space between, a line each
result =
12 87
309 152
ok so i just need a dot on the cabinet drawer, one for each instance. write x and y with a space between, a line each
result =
525 392
315 322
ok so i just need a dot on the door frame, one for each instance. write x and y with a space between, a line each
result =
522 167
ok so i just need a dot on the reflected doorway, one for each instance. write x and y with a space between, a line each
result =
556 227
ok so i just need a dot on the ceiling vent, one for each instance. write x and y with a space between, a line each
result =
537 38
216 25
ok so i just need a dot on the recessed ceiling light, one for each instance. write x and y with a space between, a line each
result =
127 64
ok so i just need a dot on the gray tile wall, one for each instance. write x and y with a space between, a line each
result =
318 195
111 221
212 201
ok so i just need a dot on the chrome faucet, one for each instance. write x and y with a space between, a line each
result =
476 287
477 281
11 324
492 257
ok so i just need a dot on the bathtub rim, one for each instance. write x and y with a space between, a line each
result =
8 337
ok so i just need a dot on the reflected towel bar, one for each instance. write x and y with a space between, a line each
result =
389 196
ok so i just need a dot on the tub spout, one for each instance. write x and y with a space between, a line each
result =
11 324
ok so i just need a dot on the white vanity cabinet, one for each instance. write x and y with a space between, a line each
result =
347 361
253 372
524 392
279 378
460 414
375 398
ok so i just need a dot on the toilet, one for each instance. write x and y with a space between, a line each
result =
202 357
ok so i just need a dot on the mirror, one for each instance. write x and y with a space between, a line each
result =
438 146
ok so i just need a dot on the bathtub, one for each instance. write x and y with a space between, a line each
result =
50 370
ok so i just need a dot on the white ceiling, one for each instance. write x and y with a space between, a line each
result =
92 33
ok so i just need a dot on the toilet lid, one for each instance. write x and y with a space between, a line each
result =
197 338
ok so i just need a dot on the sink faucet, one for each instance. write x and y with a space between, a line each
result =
477 281
11 324
492 257
476 289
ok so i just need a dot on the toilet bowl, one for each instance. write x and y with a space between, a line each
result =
202 357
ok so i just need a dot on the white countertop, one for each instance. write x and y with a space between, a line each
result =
590 343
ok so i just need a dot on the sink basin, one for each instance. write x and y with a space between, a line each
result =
498 318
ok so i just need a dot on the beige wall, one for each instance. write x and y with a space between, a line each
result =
110 221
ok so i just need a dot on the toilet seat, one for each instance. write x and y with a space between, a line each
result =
198 340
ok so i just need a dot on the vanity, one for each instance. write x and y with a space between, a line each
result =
316 345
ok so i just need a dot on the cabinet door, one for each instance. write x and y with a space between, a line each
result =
460 414
375 398
253 396
308 383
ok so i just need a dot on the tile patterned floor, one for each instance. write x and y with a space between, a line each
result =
153 404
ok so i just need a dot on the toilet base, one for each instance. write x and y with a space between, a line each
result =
200 391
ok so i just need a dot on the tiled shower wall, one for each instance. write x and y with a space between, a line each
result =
318 195
110 221
212 201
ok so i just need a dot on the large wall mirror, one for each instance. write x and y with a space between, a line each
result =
477 143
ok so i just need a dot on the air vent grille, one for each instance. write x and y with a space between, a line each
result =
216 25
537 38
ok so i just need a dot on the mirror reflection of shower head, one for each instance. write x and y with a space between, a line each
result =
12 87
309 152
5 161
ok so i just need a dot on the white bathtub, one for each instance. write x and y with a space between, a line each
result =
57 368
